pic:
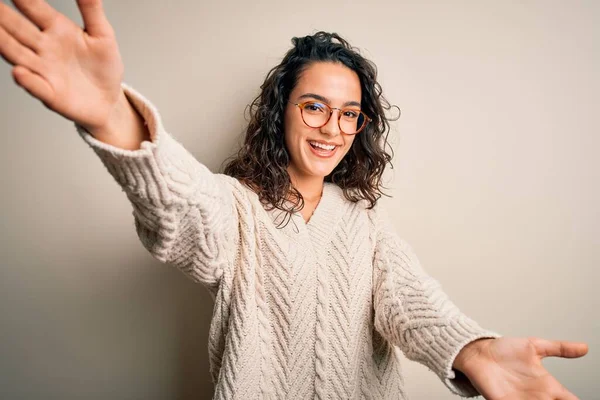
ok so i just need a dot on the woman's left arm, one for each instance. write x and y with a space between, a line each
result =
413 312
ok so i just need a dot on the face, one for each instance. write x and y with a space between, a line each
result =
337 86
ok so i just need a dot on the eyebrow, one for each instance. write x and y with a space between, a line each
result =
326 100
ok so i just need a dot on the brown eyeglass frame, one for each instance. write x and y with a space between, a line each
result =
302 105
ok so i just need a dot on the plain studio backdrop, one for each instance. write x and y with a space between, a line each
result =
496 184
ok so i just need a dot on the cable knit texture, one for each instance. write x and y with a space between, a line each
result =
313 310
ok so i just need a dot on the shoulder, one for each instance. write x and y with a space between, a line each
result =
240 191
352 207
243 199
360 215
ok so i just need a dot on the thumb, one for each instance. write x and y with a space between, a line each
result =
94 19
559 348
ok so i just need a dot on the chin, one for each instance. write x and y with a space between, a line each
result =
320 170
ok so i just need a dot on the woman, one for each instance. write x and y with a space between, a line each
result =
316 308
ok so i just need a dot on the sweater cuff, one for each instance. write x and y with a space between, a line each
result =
142 172
439 347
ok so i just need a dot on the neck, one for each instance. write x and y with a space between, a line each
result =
311 187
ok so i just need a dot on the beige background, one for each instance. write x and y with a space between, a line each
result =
496 184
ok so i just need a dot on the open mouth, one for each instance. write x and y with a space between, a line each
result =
327 151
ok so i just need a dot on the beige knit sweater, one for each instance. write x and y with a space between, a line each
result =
313 310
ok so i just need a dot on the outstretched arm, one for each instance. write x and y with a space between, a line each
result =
184 214
413 312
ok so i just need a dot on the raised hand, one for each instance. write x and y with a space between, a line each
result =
511 368
74 72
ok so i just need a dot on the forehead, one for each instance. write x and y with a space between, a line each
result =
333 81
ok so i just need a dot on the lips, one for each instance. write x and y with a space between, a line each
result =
323 143
322 153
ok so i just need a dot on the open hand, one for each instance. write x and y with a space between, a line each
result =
74 72
511 368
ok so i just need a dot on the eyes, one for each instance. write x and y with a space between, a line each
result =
316 114
314 107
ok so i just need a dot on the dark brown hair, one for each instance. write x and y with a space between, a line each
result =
262 161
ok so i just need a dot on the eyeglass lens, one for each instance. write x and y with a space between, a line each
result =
317 114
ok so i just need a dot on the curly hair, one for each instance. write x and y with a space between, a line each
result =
262 161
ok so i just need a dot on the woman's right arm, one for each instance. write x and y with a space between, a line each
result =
184 214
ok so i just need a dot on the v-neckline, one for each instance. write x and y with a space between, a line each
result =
314 209
319 227
320 205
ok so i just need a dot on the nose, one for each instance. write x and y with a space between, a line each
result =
332 127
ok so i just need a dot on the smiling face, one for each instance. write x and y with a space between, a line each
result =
328 83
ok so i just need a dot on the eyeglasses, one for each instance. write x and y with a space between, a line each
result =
316 115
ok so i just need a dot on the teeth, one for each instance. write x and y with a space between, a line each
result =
322 146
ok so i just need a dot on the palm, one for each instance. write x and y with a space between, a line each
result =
511 368
83 71
74 72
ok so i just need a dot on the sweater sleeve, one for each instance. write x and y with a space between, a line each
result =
413 312
183 213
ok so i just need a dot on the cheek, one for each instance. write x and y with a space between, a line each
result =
295 134
348 146
289 128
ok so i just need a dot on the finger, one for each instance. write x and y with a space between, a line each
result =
38 11
17 54
34 84
19 27
559 348
564 394
568 396
94 19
